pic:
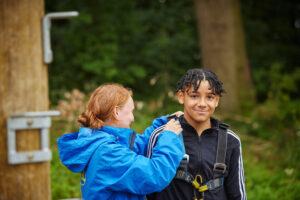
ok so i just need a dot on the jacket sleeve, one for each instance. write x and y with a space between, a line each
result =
141 141
235 182
122 170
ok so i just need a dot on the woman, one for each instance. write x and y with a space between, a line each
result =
111 157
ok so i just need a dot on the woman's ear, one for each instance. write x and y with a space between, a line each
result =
180 97
116 112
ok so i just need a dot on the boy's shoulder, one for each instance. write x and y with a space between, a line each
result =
233 139
232 136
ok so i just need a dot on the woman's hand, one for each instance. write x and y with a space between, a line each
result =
173 126
178 113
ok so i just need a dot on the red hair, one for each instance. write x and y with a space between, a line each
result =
101 105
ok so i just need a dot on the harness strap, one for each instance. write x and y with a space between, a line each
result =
219 166
214 183
184 162
188 177
184 175
132 139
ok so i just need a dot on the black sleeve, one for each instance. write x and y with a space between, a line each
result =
234 182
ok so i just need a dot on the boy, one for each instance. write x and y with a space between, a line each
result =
206 174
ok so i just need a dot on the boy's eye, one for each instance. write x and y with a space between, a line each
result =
193 96
210 97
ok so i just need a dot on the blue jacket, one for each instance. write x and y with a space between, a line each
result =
110 170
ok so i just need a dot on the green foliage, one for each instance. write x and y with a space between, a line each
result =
268 179
280 111
263 184
276 119
272 32
64 184
271 166
129 42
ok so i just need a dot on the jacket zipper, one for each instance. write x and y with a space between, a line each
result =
199 150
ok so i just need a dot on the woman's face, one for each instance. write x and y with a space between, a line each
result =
125 114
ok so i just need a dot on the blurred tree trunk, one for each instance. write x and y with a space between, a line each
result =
222 45
23 88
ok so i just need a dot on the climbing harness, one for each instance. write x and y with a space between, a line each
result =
182 173
82 177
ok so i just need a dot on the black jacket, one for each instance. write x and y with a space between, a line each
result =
202 152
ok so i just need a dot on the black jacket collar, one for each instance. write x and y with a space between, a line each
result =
188 128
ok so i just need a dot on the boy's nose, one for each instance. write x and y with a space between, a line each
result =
201 102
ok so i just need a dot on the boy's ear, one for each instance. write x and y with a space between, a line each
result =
180 97
217 98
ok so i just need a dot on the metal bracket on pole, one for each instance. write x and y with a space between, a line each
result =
48 55
27 121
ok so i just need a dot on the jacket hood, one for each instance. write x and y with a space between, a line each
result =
76 149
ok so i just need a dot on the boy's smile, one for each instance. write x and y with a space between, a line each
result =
198 105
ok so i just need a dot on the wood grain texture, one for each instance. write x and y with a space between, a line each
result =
23 88
223 51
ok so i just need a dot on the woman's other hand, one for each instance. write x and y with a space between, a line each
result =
173 126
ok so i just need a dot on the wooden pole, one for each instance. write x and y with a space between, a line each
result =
23 88
223 50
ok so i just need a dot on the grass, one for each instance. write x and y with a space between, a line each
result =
64 183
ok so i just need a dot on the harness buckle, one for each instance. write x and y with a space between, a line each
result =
215 183
198 186
186 157
220 166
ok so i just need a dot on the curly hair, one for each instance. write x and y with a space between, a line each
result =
193 77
